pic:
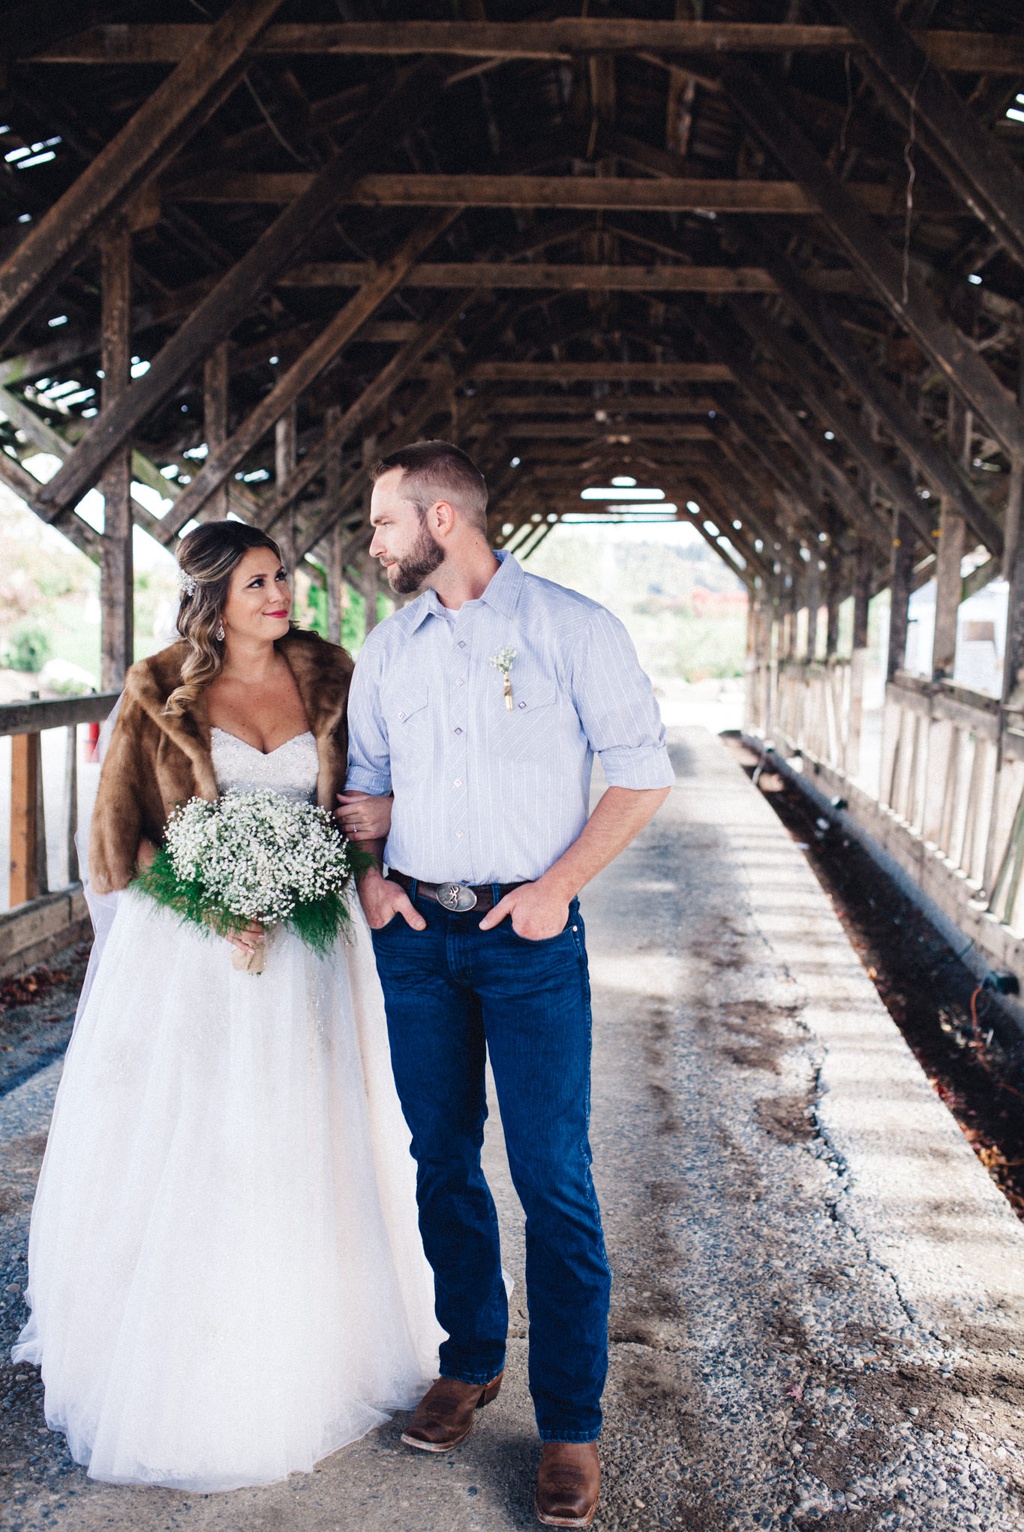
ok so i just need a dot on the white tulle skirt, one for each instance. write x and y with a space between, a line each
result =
225 1277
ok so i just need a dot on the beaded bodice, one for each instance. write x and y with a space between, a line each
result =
291 769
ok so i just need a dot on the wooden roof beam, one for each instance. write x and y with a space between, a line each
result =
933 461
560 40
903 294
232 298
988 177
372 397
599 372
613 193
820 397
206 74
514 274
222 460
860 513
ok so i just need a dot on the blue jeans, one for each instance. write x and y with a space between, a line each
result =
453 994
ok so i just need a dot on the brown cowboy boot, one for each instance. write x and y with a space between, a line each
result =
568 1484
444 1416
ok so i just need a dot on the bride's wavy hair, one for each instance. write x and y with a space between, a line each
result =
207 558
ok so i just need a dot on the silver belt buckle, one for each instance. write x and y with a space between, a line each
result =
457 897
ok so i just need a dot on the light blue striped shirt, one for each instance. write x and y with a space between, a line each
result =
484 793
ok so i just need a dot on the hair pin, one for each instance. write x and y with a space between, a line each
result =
186 583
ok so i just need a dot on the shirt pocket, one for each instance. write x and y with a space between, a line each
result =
405 713
526 731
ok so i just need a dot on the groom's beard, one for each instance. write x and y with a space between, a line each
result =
407 575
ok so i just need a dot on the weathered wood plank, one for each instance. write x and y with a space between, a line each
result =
558 39
599 372
232 298
616 193
471 274
207 72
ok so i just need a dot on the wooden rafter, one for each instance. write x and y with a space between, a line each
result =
233 296
557 40
207 72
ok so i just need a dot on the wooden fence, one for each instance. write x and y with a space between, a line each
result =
42 918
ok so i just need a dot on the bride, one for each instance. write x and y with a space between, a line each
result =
225 1278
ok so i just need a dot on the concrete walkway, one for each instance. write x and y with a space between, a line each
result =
818 1316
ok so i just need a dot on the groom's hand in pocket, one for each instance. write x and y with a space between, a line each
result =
537 911
382 900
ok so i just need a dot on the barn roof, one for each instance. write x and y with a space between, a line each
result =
764 254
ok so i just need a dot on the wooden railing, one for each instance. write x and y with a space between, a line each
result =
950 802
40 915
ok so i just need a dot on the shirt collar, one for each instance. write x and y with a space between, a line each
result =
501 593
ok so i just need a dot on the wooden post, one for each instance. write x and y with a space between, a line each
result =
28 825
285 458
832 589
117 594
337 535
216 423
899 615
812 587
71 803
950 555
859 654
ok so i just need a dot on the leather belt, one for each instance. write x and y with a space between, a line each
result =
459 898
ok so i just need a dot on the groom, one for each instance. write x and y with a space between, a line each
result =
481 706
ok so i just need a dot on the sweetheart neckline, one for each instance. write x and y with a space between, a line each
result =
266 754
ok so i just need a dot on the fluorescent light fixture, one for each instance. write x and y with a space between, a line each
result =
623 481
621 493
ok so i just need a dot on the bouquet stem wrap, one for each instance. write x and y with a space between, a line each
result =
254 858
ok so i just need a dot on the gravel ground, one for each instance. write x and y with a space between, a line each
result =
818 1313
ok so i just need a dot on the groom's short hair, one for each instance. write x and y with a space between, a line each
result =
436 470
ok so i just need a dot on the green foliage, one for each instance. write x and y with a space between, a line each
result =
316 609
318 924
353 621
27 647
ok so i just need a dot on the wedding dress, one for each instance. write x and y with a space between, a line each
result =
226 1281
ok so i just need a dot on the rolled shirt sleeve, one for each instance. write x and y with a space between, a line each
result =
617 709
369 752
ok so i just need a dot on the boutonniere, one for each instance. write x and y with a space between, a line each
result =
503 661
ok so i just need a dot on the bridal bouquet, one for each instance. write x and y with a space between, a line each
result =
254 857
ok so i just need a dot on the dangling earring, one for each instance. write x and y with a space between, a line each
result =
219 634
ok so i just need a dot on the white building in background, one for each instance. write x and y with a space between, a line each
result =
980 637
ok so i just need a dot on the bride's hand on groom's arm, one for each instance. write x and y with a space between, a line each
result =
362 817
